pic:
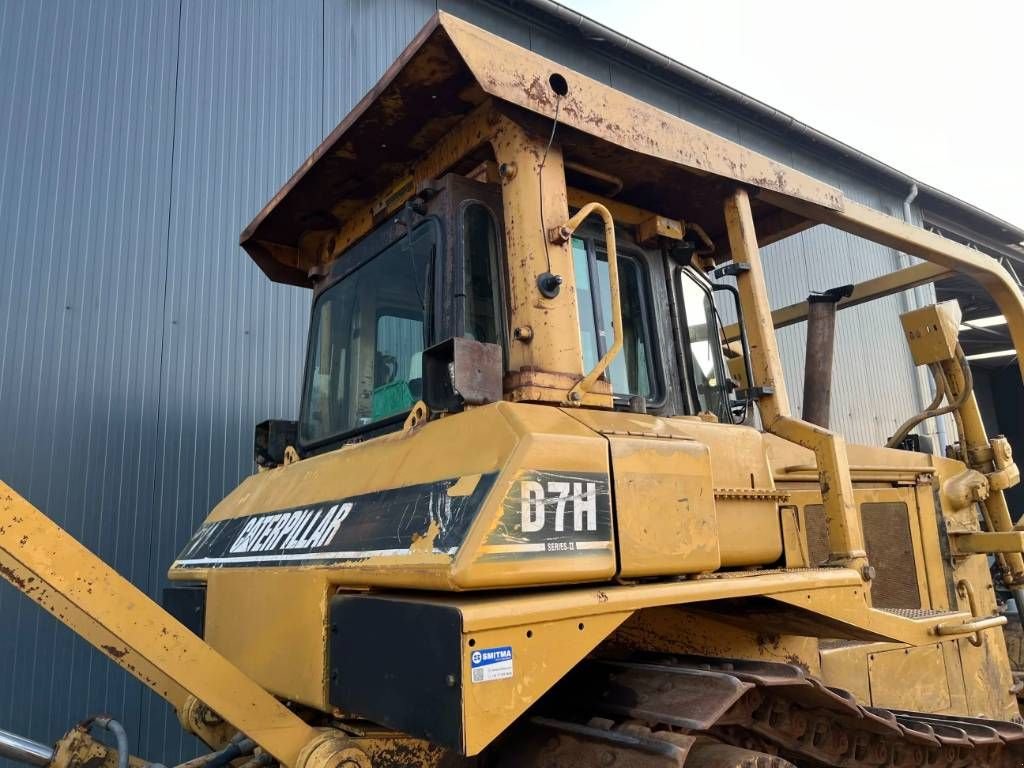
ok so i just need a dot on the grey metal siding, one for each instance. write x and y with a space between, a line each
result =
249 110
139 346
84 179
361 40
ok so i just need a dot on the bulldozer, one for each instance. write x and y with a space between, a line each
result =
546 502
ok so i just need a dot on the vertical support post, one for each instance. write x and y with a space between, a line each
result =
845 532
757 312
545 352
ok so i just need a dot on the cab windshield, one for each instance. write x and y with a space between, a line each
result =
367 335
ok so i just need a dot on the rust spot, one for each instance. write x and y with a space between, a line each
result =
539 92
11 576
792 658
117 653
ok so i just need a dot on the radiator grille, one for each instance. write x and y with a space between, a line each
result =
889 546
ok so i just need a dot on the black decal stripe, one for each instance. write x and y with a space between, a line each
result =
380 523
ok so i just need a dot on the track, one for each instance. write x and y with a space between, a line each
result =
720 713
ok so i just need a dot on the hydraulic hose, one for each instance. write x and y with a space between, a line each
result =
261 760
940 390
110 724
229 753
238 746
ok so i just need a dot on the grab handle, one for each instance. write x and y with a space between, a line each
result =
562 235
974 627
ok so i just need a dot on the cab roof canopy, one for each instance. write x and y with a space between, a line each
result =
452 70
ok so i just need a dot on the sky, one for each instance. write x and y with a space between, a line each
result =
933 88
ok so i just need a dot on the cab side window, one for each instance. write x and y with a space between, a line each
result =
481 276
708 374
632 371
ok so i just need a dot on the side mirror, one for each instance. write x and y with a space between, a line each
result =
272 438
738 360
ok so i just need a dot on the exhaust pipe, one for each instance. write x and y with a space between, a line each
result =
821 337
15 747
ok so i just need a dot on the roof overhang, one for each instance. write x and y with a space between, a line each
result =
448 71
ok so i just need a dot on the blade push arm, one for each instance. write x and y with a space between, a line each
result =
48 565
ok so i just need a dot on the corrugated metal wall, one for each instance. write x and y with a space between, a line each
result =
138 344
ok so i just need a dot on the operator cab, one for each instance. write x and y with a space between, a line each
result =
440 208
436 270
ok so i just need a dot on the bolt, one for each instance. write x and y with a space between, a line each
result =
867 572
209 717
507 171
559 235
575 396
549 284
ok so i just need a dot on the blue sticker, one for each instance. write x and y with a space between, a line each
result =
489 664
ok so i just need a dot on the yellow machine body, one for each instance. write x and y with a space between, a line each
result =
408 595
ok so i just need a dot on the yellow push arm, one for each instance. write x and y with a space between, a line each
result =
56 571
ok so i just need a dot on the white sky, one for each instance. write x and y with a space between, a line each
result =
933 88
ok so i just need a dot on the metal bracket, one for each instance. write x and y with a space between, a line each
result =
754 393
832 295
732 269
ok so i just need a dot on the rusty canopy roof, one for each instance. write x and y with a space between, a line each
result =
450 68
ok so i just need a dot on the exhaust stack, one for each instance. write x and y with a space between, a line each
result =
821 338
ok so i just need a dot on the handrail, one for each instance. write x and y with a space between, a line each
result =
862 221
974 627
563 234
970 627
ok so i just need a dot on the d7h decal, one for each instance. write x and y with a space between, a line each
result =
550 513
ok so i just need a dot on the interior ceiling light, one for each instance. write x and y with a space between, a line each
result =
983 322
989 355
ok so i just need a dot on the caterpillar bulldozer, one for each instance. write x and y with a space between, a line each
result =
546 502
